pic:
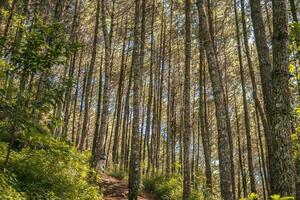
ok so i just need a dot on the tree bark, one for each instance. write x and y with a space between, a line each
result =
282 174
99 149
263 58
150 92
245 103
89 79
186 99
119 101
240 157
134 172
204 133
223 135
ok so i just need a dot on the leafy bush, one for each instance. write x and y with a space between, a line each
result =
251 196
254 196
117 173
168 188
278 197
47 170
8 185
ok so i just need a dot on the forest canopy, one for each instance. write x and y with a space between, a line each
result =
150 99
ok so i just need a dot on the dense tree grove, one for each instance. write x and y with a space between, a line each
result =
193 99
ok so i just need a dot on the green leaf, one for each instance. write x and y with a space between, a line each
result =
275 197
287 198
253 196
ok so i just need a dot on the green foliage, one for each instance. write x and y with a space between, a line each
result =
48 169
32 55
168 188
254 196
43 47
251 196
8 185
117 173
277 197
295 137
294 55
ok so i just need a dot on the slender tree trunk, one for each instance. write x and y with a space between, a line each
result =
150 91
142 58
204 133
263 58
240 157
263 160
223 135
89 79
169 115
107 152
186 99
119 101
68 95
106 87
134 172
78 138
161 72
126 118
99 101
245 104
258 105
74 138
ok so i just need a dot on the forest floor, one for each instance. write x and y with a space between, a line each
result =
115 189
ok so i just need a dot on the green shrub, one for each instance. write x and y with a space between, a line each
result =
117 173
278 197
8 185
168 188
254 196
48 169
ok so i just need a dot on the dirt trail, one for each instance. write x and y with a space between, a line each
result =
115 189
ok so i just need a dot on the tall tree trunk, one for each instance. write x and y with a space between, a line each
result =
68 94
204 133
74 138
89 79
261 158
99 102
161 72
263 58
282 172
78 137
186 99
241 166
258 105
126 117
119 101
245 104
169 115
106 87
142 58
150 91
223 135
134 172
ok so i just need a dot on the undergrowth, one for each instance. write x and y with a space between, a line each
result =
170 188
46 168
117 173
